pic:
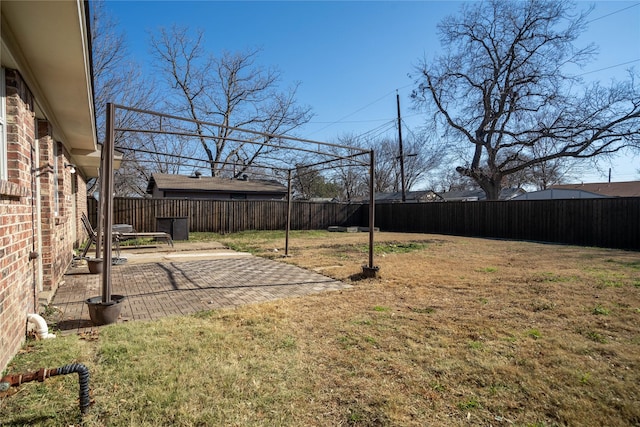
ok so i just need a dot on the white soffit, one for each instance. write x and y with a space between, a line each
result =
47 42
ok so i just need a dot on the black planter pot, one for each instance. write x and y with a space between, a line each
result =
104 313
95 265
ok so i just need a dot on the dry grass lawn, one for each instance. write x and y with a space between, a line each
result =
455 331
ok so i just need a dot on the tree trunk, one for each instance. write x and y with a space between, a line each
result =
492 184
491 189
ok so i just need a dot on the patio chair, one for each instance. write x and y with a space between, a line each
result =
156 235
93 237
118 235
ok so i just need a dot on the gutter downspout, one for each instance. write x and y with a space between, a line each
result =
38 222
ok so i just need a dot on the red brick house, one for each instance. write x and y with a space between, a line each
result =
48 151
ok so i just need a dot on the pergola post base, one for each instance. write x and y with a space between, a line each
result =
370 272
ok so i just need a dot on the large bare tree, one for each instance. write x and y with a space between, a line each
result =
504 88
231 90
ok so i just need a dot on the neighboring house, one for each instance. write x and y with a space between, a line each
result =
445 196
320 200
586 191
213 188
559 193
479 195
607 189
48 150
462 195
410 197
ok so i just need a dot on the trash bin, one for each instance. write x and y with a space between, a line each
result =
176 226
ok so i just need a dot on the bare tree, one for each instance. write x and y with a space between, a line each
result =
230 90
503 89
308 182
118 79
351 177
450 180
420 159
542 175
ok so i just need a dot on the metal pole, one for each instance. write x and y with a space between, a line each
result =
372 202
404 193
107 182
286 242
100 211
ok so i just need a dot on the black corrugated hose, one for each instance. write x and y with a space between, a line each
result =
83 378
16 380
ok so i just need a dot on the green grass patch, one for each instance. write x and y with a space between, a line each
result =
469 404
600 310
394 247
595 336
608 279
534 333
146 241
634 265
252 241
191 370
475 345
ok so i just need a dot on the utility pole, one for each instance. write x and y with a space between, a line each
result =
401 156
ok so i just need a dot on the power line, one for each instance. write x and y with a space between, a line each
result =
342 120
609 67
350 121
351 114
613 13
409 130
375 132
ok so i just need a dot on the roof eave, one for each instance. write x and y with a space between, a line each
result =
49 44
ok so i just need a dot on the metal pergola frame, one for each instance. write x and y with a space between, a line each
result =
105 211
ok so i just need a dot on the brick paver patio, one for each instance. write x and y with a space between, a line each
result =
184 286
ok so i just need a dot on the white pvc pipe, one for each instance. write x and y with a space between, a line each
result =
42 330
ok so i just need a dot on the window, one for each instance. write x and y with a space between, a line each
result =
3 127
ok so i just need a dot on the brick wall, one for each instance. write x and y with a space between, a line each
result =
58 218
17 293
46 225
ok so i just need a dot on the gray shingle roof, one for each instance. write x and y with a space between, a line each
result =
166 182
611 189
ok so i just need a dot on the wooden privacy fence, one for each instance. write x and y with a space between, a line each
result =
228 216
610 223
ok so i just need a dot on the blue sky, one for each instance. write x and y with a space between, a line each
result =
351 56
